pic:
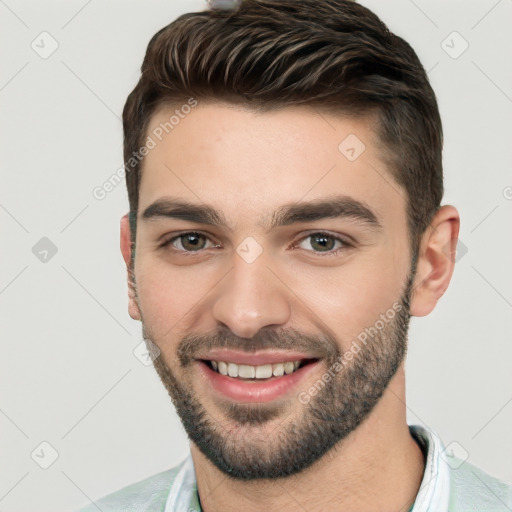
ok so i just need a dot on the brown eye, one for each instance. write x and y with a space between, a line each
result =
188 242
324 243
192 241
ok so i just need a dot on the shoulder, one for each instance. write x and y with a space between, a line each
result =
473 490
148 495
452 484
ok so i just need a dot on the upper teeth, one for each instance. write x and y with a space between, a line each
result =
246 371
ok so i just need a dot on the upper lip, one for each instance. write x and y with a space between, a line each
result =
255 358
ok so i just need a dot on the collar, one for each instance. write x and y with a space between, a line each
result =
433 495
434 491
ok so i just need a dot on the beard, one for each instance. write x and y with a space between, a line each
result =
257 440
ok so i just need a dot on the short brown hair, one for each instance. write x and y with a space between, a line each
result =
269 54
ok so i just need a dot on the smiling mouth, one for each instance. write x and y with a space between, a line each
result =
257 372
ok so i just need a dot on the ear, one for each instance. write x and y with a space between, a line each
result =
436 260
126 249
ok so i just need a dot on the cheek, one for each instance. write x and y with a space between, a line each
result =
161 297
168 296
351 298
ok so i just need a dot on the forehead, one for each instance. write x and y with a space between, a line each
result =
247 164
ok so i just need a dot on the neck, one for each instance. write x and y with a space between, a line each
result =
379 466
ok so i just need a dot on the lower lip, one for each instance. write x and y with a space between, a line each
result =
255 390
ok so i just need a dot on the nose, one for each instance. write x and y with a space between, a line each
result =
250 297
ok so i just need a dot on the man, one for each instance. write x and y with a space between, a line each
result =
284 171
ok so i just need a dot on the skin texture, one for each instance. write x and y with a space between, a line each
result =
356 452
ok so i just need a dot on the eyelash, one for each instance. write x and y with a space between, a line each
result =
346 245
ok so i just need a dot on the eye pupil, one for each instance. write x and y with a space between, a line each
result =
323 241
193 240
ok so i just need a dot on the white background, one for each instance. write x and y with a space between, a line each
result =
68 375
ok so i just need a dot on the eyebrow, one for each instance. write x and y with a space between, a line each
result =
324 208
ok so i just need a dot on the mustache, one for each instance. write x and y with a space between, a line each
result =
192 346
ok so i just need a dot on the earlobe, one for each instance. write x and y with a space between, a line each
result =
126 250
436 261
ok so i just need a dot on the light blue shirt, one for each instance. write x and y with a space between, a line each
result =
449 484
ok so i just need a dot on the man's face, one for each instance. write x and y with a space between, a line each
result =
273 285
